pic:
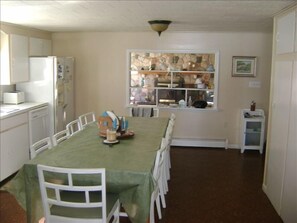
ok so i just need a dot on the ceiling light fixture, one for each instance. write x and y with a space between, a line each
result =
159 25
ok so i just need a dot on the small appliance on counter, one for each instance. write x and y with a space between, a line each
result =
14 97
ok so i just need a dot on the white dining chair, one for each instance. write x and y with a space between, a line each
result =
60 137
172 116
144 112
40 146
87 119
168 136
155 112
81 198
165 148
73 127
158 192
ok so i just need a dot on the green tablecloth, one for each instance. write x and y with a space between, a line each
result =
128 166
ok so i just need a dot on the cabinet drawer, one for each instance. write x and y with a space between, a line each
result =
14 121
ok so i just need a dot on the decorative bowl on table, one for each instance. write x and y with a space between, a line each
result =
110 121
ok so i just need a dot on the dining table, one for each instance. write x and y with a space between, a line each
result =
129 165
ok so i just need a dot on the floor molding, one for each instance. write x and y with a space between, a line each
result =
215 143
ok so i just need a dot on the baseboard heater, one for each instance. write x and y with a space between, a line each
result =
214 143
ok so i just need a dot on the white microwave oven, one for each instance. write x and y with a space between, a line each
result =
14 97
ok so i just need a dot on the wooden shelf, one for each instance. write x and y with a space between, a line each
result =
163 72
171 88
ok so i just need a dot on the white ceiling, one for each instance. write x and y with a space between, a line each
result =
132 16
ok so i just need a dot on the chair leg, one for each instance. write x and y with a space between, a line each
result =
152 208
158 207
162 195
169 157
164 180
116 215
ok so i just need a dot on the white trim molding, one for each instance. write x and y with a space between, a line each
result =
214 143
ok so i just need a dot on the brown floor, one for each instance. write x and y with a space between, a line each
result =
207 186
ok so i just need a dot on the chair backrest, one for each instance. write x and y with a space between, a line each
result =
73 127
60 137
40 146
157 166
156 112
172 117
159 160
169 130
144 112
66 193
86 119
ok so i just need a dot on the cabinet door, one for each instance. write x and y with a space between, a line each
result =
289 198
295 32
14 150
40 47
5 66
281 94
19 56
253 133
285 33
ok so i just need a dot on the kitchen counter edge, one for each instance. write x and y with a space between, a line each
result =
21 108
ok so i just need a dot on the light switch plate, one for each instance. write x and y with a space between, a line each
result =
255 84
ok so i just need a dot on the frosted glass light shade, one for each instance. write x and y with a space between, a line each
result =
159 25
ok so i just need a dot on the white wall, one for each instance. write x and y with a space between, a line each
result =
101 74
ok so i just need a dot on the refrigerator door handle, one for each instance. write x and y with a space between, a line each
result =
64 114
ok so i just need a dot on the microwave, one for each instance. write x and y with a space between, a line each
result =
14 97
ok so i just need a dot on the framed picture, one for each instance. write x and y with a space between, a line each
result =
244 66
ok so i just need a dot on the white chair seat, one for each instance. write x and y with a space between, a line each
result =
83 213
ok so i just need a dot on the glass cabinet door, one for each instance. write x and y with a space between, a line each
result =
253 133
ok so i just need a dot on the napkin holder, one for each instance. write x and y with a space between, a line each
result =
104 123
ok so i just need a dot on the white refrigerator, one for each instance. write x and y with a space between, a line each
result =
51 81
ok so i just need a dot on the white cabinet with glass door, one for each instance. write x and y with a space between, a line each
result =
253 124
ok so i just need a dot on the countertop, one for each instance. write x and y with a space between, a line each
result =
7 110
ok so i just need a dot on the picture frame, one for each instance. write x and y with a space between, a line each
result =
244 66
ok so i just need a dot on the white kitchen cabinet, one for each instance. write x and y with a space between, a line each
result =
14 140
296 31
279 124
14 58
285 33
40 47
280 179
289 196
